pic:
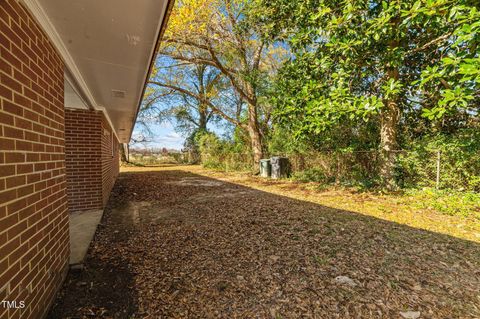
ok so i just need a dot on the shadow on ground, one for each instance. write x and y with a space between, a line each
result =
176 244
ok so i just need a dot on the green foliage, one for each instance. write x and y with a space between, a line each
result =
341 168
310 175
350 61
222 154
459 203
282 141
211 149
182 93
352 56
457 74
212 34
191 145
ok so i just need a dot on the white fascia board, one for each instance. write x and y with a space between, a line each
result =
42 18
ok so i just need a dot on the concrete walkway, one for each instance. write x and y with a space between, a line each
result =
82 230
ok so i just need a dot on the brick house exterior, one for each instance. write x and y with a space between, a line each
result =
109 159
91 156
55 159
33 198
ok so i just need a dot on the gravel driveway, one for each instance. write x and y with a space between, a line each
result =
173 244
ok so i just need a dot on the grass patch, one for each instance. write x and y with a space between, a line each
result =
449 202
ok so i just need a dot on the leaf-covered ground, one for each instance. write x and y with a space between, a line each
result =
183 242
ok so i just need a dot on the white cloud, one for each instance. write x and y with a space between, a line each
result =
173 135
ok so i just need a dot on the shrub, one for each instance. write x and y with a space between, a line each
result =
310 175
449 202
212 150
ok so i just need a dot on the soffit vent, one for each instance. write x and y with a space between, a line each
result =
118 94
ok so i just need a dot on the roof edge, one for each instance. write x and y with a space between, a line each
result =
152 60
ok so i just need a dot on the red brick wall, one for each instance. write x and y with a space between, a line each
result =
83 158
110 160
91 168
34 240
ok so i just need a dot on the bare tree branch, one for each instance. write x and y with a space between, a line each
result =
229 76
201 99
430 43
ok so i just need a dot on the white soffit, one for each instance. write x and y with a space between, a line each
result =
107 46
72 96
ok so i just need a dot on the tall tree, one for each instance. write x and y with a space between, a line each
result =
373 60
184 93
211 33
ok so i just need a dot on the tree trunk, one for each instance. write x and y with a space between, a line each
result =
202 121
123 153
389 119
256 147
255 137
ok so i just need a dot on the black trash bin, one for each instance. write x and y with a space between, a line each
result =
265 168
280 167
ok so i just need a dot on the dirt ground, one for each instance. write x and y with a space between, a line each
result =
183 242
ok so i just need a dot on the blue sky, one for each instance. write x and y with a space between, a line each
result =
163 135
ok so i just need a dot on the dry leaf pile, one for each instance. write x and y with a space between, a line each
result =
177 245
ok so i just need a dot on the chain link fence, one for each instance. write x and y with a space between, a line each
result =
228 161
151 158
441 169
425 168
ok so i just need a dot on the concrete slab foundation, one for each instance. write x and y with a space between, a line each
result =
82 229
